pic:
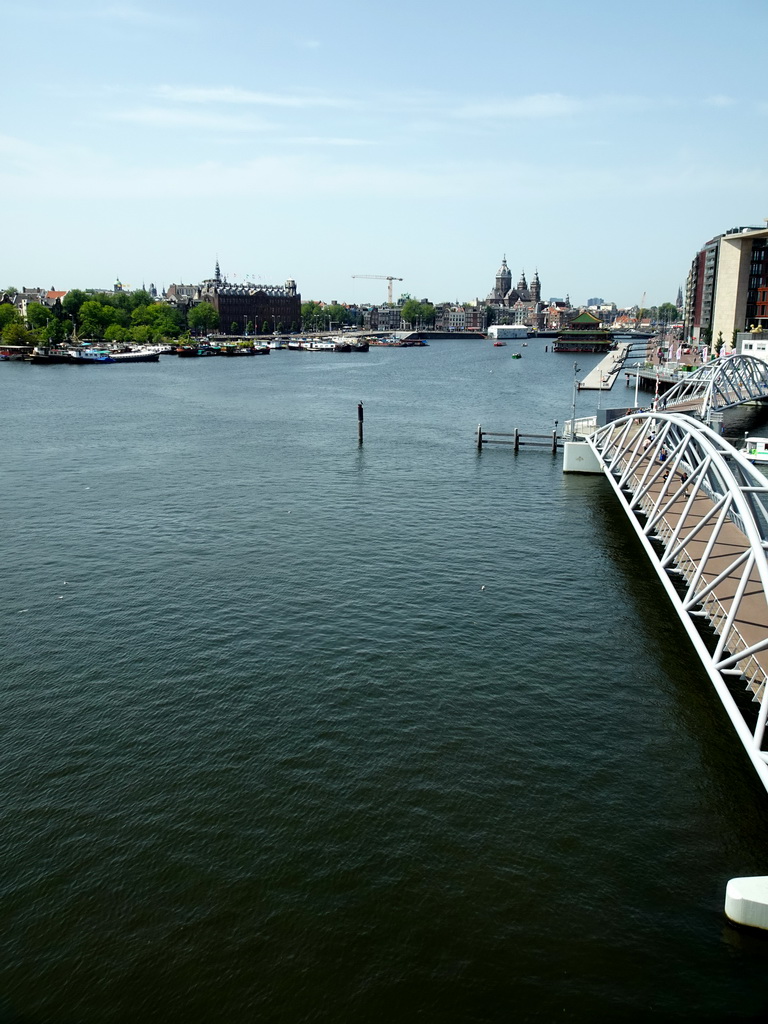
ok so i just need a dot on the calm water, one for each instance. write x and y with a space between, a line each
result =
272 753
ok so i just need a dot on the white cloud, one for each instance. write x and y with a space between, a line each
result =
536 106
230 95
541 106
719 101
323 140
166 117
133 15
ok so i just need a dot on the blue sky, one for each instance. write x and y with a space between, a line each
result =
599 144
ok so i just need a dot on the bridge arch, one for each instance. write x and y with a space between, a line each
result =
720 384
700 510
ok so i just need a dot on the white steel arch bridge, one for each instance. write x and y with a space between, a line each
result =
701 513
720 384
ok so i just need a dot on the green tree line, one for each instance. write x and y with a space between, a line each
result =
133 317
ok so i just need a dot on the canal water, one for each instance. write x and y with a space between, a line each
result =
296 730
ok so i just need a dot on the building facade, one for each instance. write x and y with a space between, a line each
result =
266 308
724 290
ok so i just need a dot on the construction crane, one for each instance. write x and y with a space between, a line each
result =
381 277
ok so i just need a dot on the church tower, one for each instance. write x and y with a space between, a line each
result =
536 288
503 280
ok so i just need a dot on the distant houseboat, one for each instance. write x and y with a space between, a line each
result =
584 334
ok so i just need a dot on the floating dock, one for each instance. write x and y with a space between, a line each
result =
603 376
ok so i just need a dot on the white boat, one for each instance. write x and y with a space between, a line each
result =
755 449
80 356
143 354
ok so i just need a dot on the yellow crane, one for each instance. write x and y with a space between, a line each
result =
381 277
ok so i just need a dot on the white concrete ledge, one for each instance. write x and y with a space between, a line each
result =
746 901
578 457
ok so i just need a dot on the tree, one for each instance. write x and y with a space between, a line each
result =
415 312
265 328
14 333
141 335
95 317
427 315
410 311
57 331
8 315
719 343
335 313
667 312
164 320
72 303
203 318
311 315
117 333
38 315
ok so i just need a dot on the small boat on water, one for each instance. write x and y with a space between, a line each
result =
755 449
499 344
517 355
136 355
81 356
43 354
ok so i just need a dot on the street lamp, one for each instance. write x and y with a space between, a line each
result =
576 369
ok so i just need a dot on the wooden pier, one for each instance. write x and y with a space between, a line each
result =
517 440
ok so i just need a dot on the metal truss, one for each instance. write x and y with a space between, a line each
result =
701 513
720 384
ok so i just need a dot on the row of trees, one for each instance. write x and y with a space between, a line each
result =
134 317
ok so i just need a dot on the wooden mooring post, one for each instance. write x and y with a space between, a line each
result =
518 440
359 422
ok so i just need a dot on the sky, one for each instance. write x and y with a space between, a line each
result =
599 143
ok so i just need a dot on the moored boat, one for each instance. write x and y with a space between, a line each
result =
755 449
49 355
136 355
83 356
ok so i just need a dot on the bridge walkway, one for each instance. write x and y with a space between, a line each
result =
708 553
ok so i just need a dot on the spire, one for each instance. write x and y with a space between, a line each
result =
217 275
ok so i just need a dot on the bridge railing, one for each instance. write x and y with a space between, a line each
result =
701 512
720 384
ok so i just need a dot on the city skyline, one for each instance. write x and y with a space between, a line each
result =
587 143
